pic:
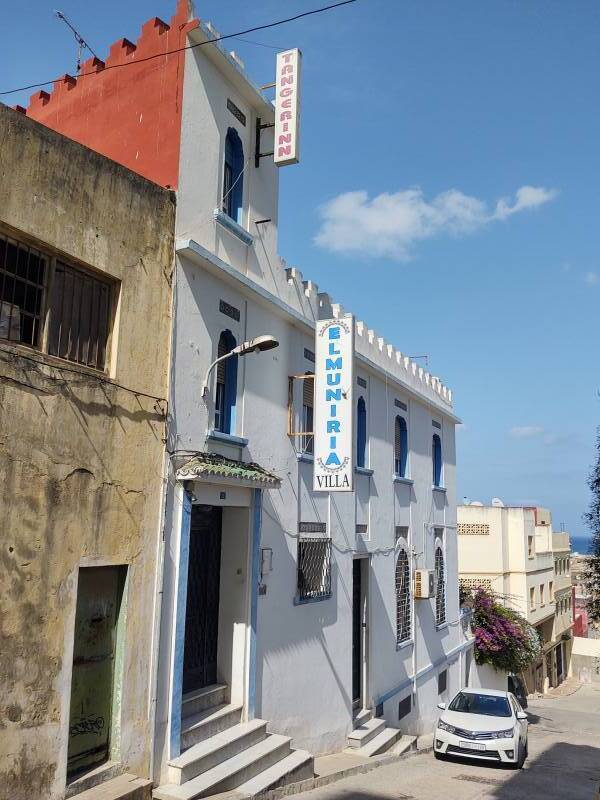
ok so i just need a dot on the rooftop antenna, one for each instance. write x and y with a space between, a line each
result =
424 356
81 42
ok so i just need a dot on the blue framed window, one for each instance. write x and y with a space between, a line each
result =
400 446
436 458
233 176
226 396
361 433
308 392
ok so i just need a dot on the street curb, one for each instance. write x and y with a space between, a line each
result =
324 780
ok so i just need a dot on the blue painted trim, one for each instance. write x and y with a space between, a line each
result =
227 438
256 537
308 600
181 600
307 457
401 479
446 658
233 227
363 470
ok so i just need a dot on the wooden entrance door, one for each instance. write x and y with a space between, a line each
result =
202 609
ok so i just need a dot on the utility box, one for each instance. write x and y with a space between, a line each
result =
424 584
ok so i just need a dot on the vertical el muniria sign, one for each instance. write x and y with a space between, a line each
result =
334 406
287 108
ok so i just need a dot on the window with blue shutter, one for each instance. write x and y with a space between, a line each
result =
233 180
400 447
436 457
226 396
361 432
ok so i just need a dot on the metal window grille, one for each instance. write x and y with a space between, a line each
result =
227 187
402 598
79 316
314 568
440 588
22 281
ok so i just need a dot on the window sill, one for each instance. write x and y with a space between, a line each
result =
442 626
227 438
405 644
402 479
233 227
308 458
363 471
441 489
306 601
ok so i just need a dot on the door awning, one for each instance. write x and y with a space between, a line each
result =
211 468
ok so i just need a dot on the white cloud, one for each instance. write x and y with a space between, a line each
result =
526 431
389 225
592 278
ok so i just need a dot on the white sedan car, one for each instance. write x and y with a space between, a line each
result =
484 724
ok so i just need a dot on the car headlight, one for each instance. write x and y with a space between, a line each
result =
445 727
503 734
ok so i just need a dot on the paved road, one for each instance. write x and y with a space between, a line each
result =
563 763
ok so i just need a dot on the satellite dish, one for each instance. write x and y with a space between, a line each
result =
476 503
497 503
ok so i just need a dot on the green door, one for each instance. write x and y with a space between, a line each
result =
99 594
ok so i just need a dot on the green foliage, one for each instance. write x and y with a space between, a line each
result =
503 638
592 520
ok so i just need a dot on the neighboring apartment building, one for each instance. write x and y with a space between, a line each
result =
580 595
511 551
279 603
85 293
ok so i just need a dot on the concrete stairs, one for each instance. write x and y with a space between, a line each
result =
220 753
371 737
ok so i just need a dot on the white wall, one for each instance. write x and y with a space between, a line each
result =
304 651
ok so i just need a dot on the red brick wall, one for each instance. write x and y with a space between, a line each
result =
132 114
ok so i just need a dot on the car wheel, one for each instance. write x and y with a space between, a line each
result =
520 758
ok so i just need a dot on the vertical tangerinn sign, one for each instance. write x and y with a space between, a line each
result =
287 108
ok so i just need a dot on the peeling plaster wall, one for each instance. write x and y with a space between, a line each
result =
81 459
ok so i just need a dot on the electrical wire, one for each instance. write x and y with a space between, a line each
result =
191 46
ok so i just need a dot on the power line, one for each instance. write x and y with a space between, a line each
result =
192 46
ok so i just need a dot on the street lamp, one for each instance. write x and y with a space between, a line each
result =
256 345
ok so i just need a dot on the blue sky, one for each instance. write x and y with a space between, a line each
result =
438 113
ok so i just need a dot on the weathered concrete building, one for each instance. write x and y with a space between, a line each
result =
85 280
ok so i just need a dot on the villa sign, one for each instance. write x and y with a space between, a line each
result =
334 406
286 146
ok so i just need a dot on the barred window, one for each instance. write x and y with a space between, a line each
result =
440 587
314 568
53 306
403 626
226 385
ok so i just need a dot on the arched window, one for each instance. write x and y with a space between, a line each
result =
400 446
226 385
440 587
436 457
361 432
233 180
402 597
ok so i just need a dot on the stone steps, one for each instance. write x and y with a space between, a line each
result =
202 699
231 773
296 766
198 727
212 751
364 732
123 787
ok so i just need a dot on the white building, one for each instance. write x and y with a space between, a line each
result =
314 618
274 602
511 551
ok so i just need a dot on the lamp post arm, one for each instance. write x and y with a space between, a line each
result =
210 369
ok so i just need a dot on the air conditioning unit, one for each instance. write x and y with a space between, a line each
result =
424 583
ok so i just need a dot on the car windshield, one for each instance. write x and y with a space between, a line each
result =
488 704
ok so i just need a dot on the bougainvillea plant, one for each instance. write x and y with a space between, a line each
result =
503 638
